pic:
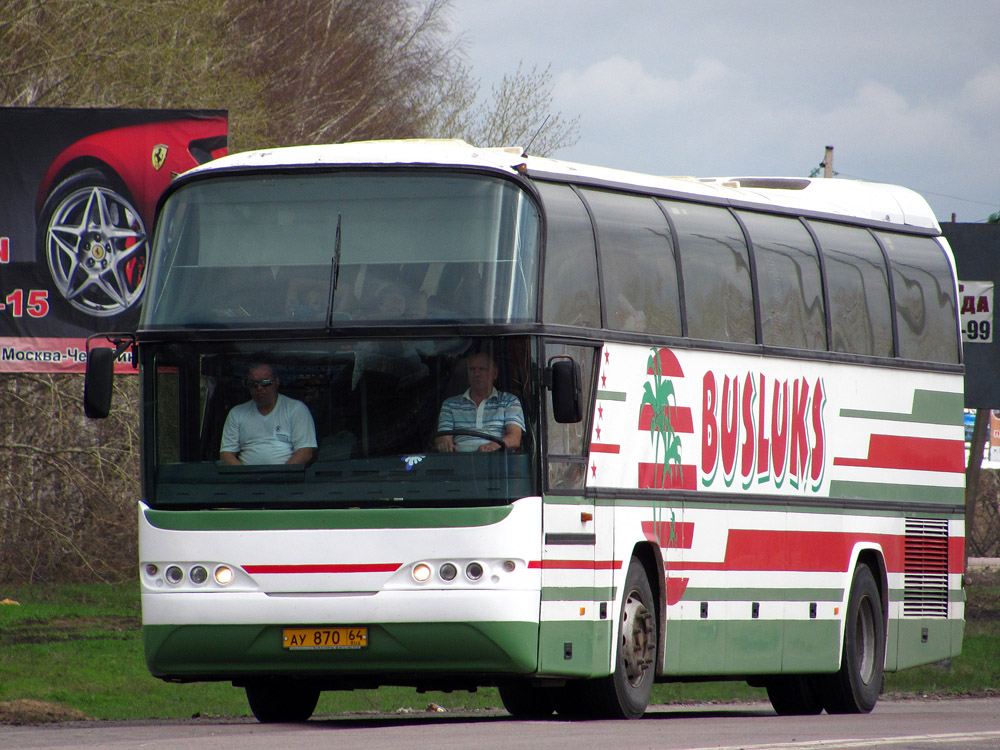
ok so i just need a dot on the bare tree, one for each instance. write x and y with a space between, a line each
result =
289 72
519 112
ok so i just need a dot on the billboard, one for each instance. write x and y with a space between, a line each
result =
976 248
78 193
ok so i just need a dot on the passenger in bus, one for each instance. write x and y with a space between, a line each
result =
481 408
270 428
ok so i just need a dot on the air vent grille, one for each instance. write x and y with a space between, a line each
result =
925 568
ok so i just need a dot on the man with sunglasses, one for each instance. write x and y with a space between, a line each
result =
270 428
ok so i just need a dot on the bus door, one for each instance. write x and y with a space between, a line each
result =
578 547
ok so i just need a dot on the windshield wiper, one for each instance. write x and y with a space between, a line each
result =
334 274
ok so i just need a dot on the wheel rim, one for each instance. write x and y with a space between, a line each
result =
865 639
96 251
638 638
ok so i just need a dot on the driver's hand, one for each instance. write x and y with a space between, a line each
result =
445 444
488 447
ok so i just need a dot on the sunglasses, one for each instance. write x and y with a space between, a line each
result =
265 383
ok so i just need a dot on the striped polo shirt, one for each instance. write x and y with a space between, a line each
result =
494 412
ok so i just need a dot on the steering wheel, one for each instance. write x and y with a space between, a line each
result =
473 433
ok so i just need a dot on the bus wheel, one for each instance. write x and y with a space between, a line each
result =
526 701
281 701
624 694
794 695
855 688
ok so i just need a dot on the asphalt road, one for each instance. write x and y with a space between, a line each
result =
894 725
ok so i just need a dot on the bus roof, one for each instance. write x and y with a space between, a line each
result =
869 201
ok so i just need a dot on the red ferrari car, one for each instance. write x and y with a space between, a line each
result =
97 200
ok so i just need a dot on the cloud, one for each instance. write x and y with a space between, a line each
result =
621 86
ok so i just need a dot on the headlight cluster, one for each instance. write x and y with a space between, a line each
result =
461 571
193 575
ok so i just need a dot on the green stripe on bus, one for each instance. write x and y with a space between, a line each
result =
922 641
762 595
900 493
929 407
574 649
783 504
611 395
578 593
344 518
231 651
718 647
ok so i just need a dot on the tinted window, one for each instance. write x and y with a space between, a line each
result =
858 290
925 298
570 294
788 282
637 263
258 250
716 273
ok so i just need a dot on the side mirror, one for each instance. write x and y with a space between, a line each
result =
567 392
97 382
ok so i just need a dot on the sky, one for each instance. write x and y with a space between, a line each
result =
906 91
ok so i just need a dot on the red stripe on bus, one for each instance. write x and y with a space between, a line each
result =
605 448
914 453
810 551
680 417
344 568
576 564
684 477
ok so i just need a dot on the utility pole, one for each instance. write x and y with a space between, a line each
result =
828 162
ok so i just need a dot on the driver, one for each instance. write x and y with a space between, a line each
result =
482 408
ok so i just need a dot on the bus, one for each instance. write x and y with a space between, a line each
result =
741 453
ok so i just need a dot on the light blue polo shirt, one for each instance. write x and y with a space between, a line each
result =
494 412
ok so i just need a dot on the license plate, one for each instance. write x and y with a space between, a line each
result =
318 639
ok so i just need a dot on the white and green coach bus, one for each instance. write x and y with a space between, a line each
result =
742 455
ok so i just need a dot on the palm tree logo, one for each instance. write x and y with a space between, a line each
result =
660 397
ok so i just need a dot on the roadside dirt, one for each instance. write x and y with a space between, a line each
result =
24 711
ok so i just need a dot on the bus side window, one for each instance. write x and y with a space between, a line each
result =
858 290
638 265
926 309
714 260
570 294
788 281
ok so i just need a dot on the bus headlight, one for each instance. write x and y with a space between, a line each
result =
421 572
198 574
174 574
224 575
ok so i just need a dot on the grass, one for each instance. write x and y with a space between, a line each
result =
80 646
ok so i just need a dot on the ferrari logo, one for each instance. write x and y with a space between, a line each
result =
159 156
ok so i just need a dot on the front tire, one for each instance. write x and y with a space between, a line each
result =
856 687
281 701
624 694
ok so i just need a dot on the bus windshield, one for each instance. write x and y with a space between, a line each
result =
375 406
264 250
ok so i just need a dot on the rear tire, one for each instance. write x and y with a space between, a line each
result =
794 695
624 694
526 701
281 701
856 687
